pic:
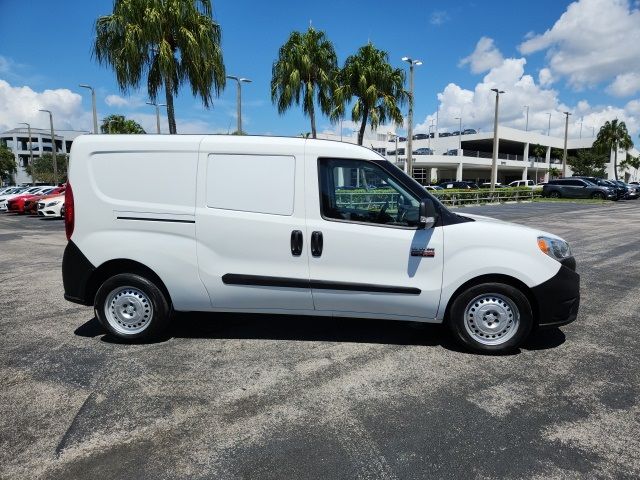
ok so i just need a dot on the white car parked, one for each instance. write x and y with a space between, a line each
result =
51 207
523 183
295 226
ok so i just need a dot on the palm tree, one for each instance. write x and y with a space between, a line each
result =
377 86
304 72
613 135
169 42
119 124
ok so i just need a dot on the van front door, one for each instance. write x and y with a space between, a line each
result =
368 255
250 226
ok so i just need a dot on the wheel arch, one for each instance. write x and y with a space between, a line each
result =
122 265
495 278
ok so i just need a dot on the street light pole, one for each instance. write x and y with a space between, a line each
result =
239 81
526 125
564 153
93 104
395 136
581 122
549 128
411 63
494 161
459 134
431 125
157 105
53 147
33 179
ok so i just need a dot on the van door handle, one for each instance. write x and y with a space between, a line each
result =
296 243
316 244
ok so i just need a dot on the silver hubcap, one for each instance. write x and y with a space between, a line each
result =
491 319
128 310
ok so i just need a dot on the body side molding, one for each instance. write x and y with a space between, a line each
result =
266 281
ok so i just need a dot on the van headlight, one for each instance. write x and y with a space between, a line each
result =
555 248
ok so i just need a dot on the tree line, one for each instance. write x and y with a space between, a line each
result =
167 43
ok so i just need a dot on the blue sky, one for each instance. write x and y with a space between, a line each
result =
575 66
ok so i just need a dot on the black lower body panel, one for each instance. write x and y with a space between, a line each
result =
76 273
558 298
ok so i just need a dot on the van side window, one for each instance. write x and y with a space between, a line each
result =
360 191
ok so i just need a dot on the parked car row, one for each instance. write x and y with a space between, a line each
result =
424 136
464 184
590 187
42 200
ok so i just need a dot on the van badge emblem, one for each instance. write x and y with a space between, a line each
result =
423 252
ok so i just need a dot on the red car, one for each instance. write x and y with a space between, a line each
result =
31 204
16 204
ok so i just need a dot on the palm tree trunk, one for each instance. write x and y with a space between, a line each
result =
312 115
615 160
363 125
171 114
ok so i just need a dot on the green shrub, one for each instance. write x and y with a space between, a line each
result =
484 195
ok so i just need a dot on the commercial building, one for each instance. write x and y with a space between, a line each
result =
521 155
18 141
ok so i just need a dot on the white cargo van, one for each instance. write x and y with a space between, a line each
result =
294 226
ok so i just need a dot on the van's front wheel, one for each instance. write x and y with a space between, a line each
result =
491 318
131 307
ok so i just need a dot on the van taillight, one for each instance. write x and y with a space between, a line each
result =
69 211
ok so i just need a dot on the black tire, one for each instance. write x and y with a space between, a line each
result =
598 196
554 194
137 288
456 319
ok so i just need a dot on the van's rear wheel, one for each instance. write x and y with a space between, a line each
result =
491 318
131 307
554 194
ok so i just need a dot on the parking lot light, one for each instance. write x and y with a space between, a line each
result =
53 146
494 161
409 152
93 105
33 179
564 153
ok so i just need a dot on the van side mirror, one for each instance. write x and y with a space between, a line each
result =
427 214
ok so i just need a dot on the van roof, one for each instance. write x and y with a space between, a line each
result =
185 139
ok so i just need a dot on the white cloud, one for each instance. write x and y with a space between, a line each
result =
545 77
116 101
439 17
625 84
21 104
633 107
476 107
130 102
485 56
5 64
594 41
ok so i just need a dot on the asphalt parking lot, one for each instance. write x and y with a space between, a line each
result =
266 397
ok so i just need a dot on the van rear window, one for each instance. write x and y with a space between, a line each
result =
251 183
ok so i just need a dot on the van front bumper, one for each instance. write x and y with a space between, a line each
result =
558 299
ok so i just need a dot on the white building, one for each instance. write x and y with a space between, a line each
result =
469 157
18 141
459 157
